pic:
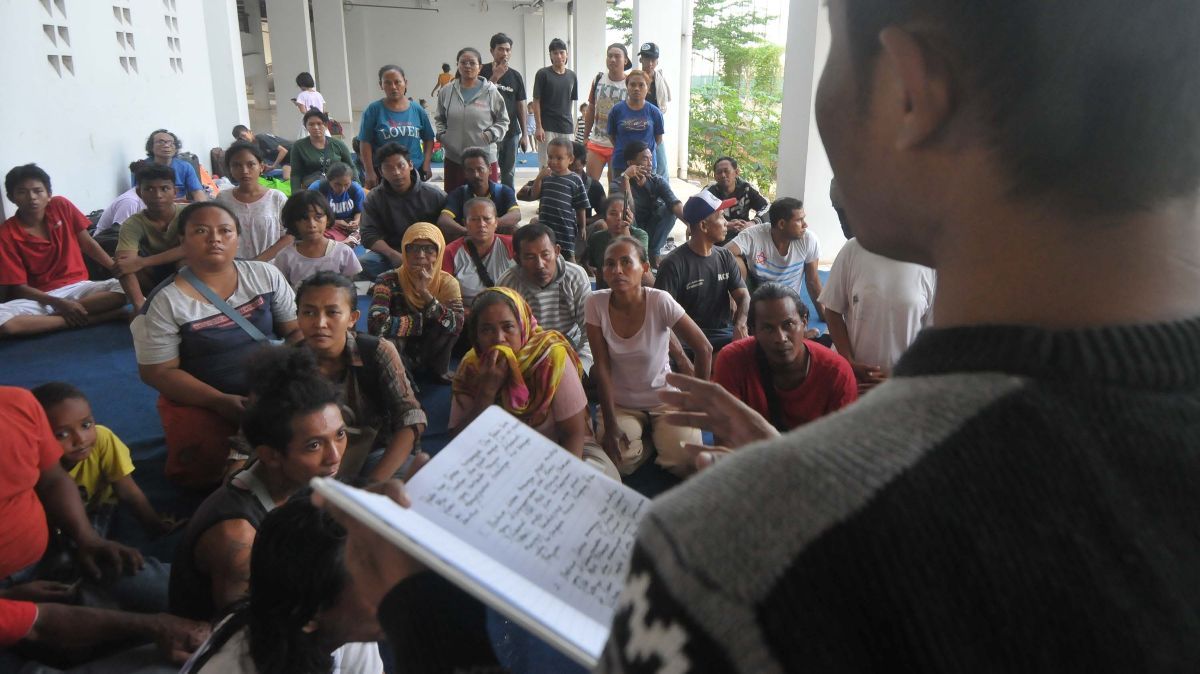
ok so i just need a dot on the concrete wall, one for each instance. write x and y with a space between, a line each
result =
420 41
807 179
662 23
86 120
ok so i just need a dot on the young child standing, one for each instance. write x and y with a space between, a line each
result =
96 459
563 200
41 262
257 207
308 98
307 216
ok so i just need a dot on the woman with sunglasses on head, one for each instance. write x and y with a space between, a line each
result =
418 306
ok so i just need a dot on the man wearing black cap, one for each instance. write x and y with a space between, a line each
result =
702 276
659 95
554 89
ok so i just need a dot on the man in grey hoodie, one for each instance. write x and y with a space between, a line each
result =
399 201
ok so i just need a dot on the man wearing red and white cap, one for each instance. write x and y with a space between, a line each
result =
703 277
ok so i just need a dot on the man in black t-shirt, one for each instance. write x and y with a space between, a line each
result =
274 149
512 88
703 277
555 88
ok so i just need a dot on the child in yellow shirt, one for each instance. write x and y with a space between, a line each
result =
96 459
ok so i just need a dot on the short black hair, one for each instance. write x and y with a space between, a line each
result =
239 130
52 393
191 209
314 112
731 160
392 66
499 39
558 45
150 141
479 200
154 171
327 279
298 567
637 247
473 153
634 150
612 199
336 170
445 67
286 384
1068 95
296 208
305 80
562 141
775 291
20 174
390 148
580 150
242 146
530 233
783 208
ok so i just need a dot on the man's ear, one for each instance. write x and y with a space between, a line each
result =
557 250
919 86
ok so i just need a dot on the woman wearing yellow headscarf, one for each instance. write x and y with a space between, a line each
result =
418 306
533 373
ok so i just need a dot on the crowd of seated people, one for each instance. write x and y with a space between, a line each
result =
245 318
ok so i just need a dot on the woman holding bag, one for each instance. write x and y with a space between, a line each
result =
195 333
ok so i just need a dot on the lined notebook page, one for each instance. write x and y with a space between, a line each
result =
535 526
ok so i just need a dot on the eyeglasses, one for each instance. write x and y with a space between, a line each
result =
429 249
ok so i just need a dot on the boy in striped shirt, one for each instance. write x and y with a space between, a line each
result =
563 201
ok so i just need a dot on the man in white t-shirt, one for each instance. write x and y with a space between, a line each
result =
783 251
874 305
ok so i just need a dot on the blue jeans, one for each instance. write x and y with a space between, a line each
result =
508 159
660 227
660 160
374 264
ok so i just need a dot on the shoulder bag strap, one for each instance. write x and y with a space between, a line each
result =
222 305
479 268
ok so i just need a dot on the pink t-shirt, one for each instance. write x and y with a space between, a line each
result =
568 401
640 363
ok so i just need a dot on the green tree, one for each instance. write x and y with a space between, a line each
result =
738 114
620 18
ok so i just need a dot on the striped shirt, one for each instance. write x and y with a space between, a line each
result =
561 197
765 263
559 305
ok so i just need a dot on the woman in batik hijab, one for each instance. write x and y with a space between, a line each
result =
532 373
418 306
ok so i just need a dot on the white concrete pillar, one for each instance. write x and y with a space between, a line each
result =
532 49
804 170
332 62
799 81
291 54
683 111
587 54
225 62
254 58
661 22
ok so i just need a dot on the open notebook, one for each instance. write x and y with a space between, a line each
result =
519 523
